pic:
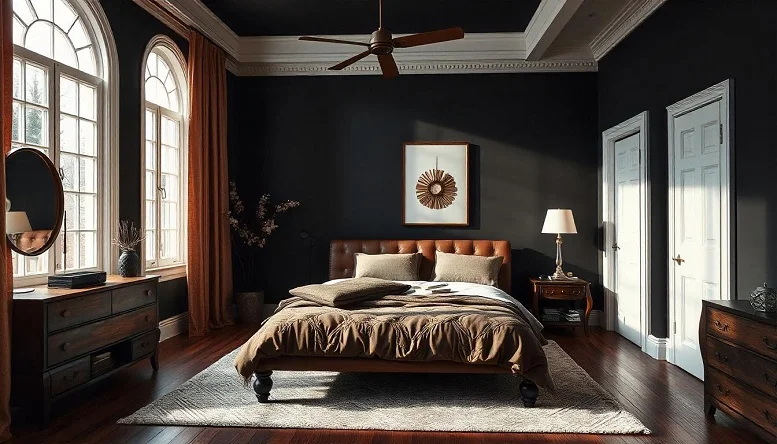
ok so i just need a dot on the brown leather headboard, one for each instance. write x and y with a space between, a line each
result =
341 254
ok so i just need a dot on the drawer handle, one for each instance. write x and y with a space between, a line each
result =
768 380
148 292
722 390
65 346
721 358
67 378
768 417
148 318
769 344
65 313
143 344
721 326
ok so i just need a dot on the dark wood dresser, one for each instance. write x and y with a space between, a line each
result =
739 349
66 340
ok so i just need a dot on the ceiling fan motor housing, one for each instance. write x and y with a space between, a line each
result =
380 43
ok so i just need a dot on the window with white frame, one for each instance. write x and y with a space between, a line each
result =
164 178
57 108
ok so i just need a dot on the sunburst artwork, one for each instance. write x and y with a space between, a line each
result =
436 184
436 189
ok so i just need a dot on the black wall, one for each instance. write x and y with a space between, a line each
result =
133 28
335 144
685 47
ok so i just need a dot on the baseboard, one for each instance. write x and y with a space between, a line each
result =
596 318
174 326
656 347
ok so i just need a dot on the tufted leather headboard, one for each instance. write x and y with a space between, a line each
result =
341 254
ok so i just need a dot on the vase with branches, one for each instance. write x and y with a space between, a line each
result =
127 239
254 232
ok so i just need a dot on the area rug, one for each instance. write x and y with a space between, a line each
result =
378 401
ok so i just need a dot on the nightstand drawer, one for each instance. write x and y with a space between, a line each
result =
563 292
760 338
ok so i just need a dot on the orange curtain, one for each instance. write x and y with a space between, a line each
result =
209 253
6 275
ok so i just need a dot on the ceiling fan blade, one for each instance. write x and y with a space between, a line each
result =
388 65
427 38
344 42
350 61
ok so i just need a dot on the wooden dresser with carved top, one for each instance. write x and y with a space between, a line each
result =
65 340
739 350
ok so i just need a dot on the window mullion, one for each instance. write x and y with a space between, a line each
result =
54 141
158 185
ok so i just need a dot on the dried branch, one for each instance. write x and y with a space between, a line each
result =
265 218
128 236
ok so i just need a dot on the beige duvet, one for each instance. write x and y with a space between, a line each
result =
459 328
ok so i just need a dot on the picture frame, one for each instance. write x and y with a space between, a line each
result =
435 184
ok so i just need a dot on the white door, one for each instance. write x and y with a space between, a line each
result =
626 249
696 246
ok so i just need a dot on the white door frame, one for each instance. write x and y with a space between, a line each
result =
719 92
637 124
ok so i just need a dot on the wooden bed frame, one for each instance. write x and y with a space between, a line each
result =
341 265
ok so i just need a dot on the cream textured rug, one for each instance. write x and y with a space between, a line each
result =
327 400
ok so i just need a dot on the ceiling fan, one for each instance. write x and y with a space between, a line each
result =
382 44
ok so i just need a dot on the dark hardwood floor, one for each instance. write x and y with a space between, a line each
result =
666 399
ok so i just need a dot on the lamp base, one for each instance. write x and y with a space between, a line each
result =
559 275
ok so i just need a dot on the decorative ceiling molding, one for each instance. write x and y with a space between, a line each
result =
477 53
424 67
546 24
632 15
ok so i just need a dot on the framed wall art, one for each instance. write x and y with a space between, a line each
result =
435 184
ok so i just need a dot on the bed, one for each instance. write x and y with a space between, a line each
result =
509 343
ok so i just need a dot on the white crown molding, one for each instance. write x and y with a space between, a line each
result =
545 25
631 16
288 56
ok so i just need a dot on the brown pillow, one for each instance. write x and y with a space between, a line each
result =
450 267
392 267
349 291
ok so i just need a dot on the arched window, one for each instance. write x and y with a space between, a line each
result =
59 107
164 87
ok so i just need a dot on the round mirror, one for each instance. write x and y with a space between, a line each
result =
35 202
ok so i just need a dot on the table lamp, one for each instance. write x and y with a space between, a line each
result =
16 222
558 222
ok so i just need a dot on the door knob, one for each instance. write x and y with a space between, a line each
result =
678 259
615 247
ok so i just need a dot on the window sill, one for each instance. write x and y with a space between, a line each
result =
168 273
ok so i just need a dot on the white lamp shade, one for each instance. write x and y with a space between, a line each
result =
559 222
17 222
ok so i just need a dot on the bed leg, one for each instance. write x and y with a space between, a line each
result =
529 392
263 385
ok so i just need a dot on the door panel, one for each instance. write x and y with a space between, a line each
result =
697 273
627 285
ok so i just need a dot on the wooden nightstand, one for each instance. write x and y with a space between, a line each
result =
577 289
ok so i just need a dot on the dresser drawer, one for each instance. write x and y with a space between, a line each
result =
760 338
563 292
81 340
743 365
754 406
69 376
127 298
78 310
145 344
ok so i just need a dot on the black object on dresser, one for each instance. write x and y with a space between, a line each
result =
65 340
739 350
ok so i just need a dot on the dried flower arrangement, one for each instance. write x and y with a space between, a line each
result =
128 236
265 217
